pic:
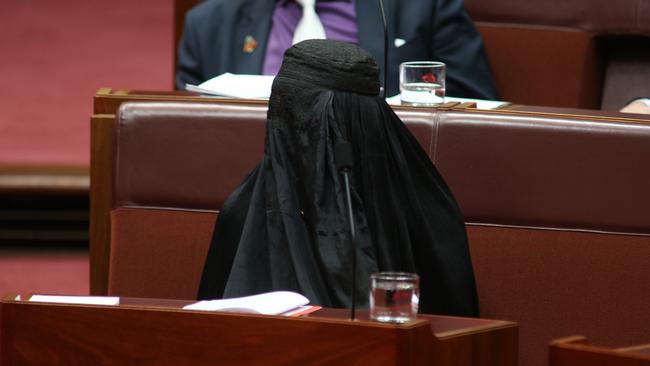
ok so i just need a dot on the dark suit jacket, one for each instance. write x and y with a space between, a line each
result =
440 30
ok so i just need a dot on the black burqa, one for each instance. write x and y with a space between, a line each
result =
285 227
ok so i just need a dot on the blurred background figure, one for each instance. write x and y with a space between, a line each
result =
250 37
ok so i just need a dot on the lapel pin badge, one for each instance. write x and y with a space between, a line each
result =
250 44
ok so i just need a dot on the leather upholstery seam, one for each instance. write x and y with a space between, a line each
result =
158 208
550 228
433 147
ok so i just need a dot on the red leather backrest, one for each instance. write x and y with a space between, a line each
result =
576 54
191 156
599 16
174 166
563 173
520 170
542 65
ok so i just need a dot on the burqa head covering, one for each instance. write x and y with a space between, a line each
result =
286 228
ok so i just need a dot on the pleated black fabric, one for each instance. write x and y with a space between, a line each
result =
285 227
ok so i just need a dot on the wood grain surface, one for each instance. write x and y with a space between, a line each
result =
160 333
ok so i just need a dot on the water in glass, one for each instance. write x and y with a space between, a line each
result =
394 302
422 94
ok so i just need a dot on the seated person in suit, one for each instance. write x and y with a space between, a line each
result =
285 227
250 37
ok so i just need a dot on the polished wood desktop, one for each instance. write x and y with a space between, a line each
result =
107 101
576 351
160 332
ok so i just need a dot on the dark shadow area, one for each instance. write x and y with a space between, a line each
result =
42 220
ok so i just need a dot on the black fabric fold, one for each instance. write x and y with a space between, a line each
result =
285 227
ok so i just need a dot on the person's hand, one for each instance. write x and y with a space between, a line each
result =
638 106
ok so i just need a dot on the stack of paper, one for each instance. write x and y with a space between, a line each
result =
85 300
236 86
271 303
480 103
259 87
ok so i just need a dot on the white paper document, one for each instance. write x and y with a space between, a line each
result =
270 303
236 86
259 87
85 300
480 103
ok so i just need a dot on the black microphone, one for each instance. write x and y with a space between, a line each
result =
383 20
344 163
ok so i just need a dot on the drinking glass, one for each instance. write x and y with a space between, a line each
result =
422 83
394 296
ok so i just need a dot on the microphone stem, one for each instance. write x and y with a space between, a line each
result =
353 237
383 19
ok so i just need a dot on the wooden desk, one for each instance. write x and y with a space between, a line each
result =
159 332
575 351
107 101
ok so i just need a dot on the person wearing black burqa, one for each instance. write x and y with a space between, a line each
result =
285 227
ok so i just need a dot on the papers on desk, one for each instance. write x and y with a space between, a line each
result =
480 103
270 303
259 87
236 86
85 300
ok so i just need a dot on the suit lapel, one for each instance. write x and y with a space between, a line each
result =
251 35
371 32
